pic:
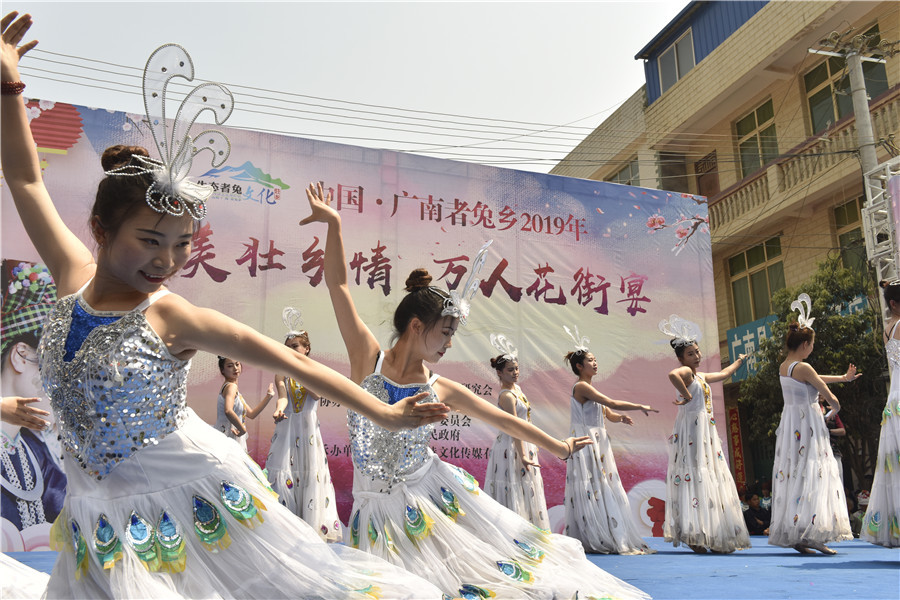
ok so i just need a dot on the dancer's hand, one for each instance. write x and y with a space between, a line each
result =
851 374
627 420
18 411
279 416
573 445
530 464
409 414
319 205
10 51
647 409
681 401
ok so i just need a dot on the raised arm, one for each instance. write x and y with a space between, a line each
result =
186 328
362 347
805 373
850 375
459 398
727 371
68 259
252 413
585 392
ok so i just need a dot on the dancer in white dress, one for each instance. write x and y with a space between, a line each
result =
159 504
597 509
410 507
297 466
232 410
703 510
809 508
513 476
882 521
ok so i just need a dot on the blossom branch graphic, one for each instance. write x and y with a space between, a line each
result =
685 227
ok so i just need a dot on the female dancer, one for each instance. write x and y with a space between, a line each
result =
231 408
808 504
155 496
597 509
513 476
882 521
297 465
409 506
702 505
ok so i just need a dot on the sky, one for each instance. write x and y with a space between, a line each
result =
510 84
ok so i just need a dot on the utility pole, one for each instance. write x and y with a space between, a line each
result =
879 227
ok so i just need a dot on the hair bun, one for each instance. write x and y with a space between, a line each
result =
119 156
418 279
794 327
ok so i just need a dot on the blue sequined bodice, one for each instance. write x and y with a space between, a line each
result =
388 455
121 391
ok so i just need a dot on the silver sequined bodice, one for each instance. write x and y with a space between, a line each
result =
388 455
121 392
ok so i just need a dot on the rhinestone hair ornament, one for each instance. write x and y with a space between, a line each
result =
803 304
293 320
682 331
581 343
504 347
458 304
171 191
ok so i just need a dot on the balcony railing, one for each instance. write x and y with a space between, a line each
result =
804 163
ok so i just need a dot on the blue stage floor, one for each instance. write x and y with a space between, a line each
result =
860 571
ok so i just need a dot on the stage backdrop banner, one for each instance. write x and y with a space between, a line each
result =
609 259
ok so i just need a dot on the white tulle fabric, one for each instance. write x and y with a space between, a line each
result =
597 509
297 465
808 502
222 422
18 580
882 522
702 505
436 522
507 481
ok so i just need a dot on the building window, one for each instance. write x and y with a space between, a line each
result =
757 143
848 224
707 170
676 61
628 175
673 172
755 275
828 87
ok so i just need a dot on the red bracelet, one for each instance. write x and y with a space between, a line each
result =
11 88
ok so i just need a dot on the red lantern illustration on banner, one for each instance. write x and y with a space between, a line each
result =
56 127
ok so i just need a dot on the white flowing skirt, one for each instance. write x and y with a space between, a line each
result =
882 522
225 554
297 469
702 505
507 481
808 502
597 509
440 525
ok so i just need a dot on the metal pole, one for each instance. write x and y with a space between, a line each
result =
865 135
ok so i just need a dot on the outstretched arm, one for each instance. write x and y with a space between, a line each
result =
18 411
614 417
586 392
186 328
459 398
69 261
727 371
805 373
252 413
850 375
362 347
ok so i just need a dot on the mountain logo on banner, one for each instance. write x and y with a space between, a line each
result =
250 173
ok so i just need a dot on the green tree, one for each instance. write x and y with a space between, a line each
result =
840 340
